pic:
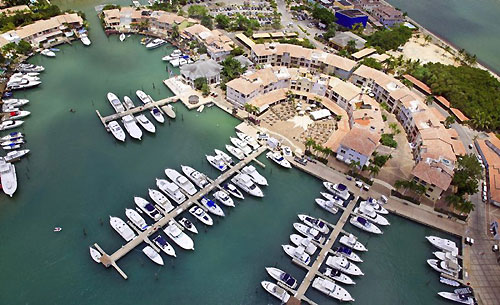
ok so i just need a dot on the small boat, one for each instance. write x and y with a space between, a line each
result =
8 177
200 109
328 205
155 43
131 127
446 267
245 183
29 68
376 206
347 253
461 295
282 276
145 99
122 36
338 189
224 198
12 142
197 177
148 208
224 156
443 244
188 225
163 244
116 131
179 237
314 223
309 232
247 150
183 61
352 242
238 153
153 255
286 151
276 291
10 147
338 276
181 181
331 289
172 190
136 219
175 62
156 113
201 215
364 224
298 253
233 190
96 255
211 206
85 39
369 213
169 111
115 102
448 281
54 49
160 200
278 159
48 53
248 140
10 124
13 115
127 101
342 264
121 228
15 155
57 229
12 136
254 174
145 123
217 162
306 242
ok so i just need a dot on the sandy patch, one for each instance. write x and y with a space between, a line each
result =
417 48
301 121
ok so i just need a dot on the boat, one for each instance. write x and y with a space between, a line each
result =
155 43
298 253
8 177
448 281
369 213
128 103
48 53
12 136
446 267
376 206
116 131
247 150
286 151
282 276
245 183
18 83
183 61
57 229
179 237
444 255
342 264
197 177
188 225
276 291
224 198
160 200
121 228
15 155
12 146
15 102
163 244
347 253
251 171
331 289
200 109
54 49
238 153
365 225
145 123
248 140
156 113
131 127
24 67
96 255
306 242
12 142
461 295
201 215
136 219
224 156
443 244
278 159
181 181
145 99
314 223
211 206
309 232
175 62
13 115
85 39
352 242
115 102
217 162
171 189
148 208
122 36
169 111
338 189
338 276
153 255
233 190
330 206
10 124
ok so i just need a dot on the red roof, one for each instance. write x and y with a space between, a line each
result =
418 83
460 116
443 101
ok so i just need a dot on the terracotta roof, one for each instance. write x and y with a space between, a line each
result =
438 115
418 83
460 116
269 98
453 133
243 85
361 140
432 173
443 101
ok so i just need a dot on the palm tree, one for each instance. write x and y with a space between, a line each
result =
317 148
453 200
309 143
355 166
374 170
327 151
427 39
429 99
466 207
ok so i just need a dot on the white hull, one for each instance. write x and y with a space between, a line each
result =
188 225
309 232
96 255
254 174
201 215
164 246
16 155
352 242
145 99
128 103
368 226
297 253
160 200
276 291
225 157
181 181
121 228
299 240
10 124
367 212
153 255
338 276
443 244
332 290
145 123
212 207
171 189
224 198
155 112
329 206
282 276
314 223
115 102
131 127
337 189
179 237
278 159
248 140
235 152
455 298
116 131
148 208
233 190
136 219
343 265
247 150
245 183
197 177
217 162
8 177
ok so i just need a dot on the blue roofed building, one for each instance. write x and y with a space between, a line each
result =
348 18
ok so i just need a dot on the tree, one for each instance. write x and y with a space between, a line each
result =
197 11
467 173
332 29
237 51
374 170
449 120
199 82
372 63
394 128
207 22
390 39
175 31
429 99
309 143
231 69
355 166
205 89
324 15
222 21
351 46
427 39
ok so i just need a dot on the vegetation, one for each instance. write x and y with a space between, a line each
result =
251 108
318 149
231 69
223 21
394 128
390 39
467 175
22 47
207 22
387 139
306 43
410 185
202 84
197 11
371 62
237 51
380 160
42 10
110 7
324 15
448 121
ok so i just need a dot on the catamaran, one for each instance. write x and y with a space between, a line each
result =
153 255
245 183
171 189
136 219
121 228
115 102
131 127
148 208
197 177
179 237
116 131
181 181
201 215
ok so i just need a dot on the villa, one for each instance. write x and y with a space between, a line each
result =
218 45
208 69
157 21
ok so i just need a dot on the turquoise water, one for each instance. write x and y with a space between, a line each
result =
77 175
471 25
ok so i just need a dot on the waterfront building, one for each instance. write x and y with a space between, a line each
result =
341 40
244 61
218 45
343 4
126 17
349 17
489 149
363 53
366 5
357 146
387 15
208 69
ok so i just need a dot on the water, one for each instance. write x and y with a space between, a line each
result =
77 175
471 25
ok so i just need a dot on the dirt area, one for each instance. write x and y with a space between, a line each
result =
417 48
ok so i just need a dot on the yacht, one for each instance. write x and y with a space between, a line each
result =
338 276
443 244
136 219
247 150
188 225
156 113
282 276
15 155
16 102
334 198
376 206
171 189
331 289
179 237
122 228
181 181
48 53
444 255
12 136
314 223
364 224
128 103
211 206
85 39
13 115
96 255
342 264
169 111
217 162
155 43
309 232
276 291
338 189
233 190
461 295
122 36
251 171
306 242
116 131
12 146
298 253
146 123
198 178
278 159
369 213
22 83
183 61
352 242
330 206
148 208
153 255
224 198
248 140
224 156
8 177
12 142
30 68
163 244
201 215
160 200
238 153
145 99
446 267
175 62
131 127
448 281
115 102
347 253
245 183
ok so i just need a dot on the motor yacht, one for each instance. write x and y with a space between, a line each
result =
116 131
14 115
160 200
217 162
461 295
115 102
306 242
247 150
131 127
347 253
172 190
157 115
85 39
146 123
233 190
338 189
364 224
12 136
163 244
224 198
153 255
225 157
121 228
329 206
367 211
179 237
136 219
298 253
128 103
30 68
281 276
148 208
188 225
446 266
443 244
238 153
445 255
181 181
145 99
276 291
309 232
331 289
211 206
15 155
8 177
278 159
197 177
122 36
248 140
338 276
256 177
342 264
245 182
376 206
155 43
96 255
352 242
314 223
201 215
48 53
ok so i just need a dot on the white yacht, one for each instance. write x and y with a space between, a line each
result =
217 162
179 237
15 102
22 83
254 174
12 142
342 264
128 103
12 146
197 177
160 200
48 53
155 43
376 206
169 111
8 177
338 189
148 208
181 181
245 183
309 232
445 255
10 124
96 255
85 39
153 255
171 189
146 123
201 215
278 159
131 127
30 68
122 36
163 244
281 276
328 205
238 153
12 136
116 131
347 253
233 190
460 295
331 289
212 207
248 140
224 198
247 150
443 244
225 157
136 219
174 62
15 155
338 276
446 267
364 224
115 102
145 99
276 291
157 115
367 211
121 228
306 242
352 242
298 253
188 225
18 114
314 223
